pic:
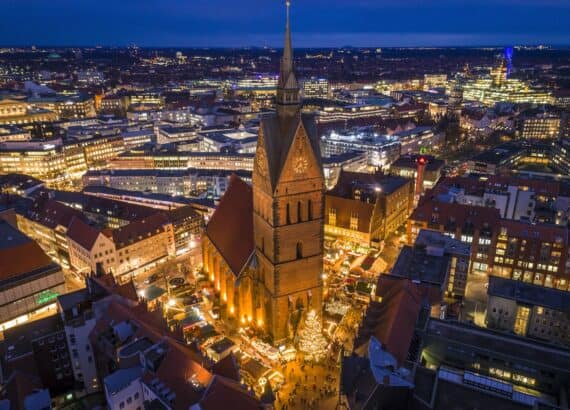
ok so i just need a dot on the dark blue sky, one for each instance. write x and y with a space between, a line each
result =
260 22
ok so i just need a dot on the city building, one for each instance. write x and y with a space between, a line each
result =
516 197
540 127
407 167
492 161
65 106
13 133
19 184
40 347
364 209
176 160
124 251
471 224
29 280
525 366
16 112
167 134
435 260
47 221
499 88
44 161
434 81
380 150
528 310
189 182
316 88
530 252
379 372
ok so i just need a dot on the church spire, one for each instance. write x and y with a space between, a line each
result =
288 88
287 59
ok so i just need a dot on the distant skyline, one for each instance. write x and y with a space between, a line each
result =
315 23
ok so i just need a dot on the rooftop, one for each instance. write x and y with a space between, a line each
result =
528 293
418 265
231 227
20 256
369 185
120 379
499 154
498 344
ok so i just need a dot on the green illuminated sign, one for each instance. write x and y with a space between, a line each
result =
46 296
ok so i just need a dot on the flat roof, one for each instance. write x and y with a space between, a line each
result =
416 264
117 381
498 154
498 343
528 293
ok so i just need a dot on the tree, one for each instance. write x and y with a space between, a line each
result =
311 340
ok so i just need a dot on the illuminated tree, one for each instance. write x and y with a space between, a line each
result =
311 340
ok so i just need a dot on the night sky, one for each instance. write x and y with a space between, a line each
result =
236 23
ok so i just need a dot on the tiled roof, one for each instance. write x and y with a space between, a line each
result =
393 320
278 136
227 367
126 290
231 227
20 254
455 215
137 230
82 233
537 232
52 213
179 364
473 185
223 393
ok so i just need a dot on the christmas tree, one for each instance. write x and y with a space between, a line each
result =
311 340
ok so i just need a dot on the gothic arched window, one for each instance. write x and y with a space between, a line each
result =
299 250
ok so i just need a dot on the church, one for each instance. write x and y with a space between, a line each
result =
262 248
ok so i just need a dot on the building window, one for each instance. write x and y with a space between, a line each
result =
288 216
299 212
521 320
299 250
310 210
354 221
332 216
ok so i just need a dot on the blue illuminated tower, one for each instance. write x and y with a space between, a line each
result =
509 59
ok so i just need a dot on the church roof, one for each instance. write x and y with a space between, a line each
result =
278 135
231 227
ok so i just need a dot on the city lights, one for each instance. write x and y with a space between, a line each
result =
228 221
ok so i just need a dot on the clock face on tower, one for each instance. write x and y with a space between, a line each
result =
261 163
301 164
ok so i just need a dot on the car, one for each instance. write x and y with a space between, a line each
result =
176 282
152 278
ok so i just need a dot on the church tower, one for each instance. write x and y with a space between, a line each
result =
288 203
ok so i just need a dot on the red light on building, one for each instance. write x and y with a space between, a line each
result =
421 161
